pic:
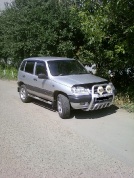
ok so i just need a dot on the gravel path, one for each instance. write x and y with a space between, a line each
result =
36 143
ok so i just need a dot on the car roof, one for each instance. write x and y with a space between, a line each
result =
47 58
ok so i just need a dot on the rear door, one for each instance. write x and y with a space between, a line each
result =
27 75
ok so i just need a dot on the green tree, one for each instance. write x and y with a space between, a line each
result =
109 33
37 28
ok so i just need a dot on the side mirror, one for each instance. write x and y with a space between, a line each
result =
42 76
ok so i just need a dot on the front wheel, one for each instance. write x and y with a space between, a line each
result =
24 94
63 106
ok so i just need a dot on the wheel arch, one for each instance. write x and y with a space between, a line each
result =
20 83
56 93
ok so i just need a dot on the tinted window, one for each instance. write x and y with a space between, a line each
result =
40 68
66 67
22 65
29 67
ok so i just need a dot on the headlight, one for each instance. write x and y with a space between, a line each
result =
112 86
109 89
80 90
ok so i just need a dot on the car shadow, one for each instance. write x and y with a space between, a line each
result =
96 114
42 104
79 114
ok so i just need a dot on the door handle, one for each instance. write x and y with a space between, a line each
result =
35 79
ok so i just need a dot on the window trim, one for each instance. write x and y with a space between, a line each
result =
23 62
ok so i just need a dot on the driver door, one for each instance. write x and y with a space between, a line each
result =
42 86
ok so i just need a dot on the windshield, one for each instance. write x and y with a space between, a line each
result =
66 67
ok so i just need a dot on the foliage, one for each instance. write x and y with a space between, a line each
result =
123 101
38 28
129 107
8 73
109 33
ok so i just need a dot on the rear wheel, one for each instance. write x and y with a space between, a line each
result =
24 94
63 106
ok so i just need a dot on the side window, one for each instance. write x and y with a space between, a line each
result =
22 65
40 68
29 67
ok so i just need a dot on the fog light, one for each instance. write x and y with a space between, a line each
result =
84 103
100 90
109 89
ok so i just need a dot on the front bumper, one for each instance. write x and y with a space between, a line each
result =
80 101
91 102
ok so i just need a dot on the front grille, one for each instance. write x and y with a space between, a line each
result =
103 99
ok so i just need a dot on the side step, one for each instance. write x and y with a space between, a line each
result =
40 99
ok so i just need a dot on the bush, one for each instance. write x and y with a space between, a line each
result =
9 73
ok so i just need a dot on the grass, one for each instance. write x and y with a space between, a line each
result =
8 73
124 102
129 107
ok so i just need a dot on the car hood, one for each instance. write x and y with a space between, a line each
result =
71 80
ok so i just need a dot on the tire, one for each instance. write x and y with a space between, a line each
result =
24 94
63 106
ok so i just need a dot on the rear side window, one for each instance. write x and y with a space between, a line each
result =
29 67
22 65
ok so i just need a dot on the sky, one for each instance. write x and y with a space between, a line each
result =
2 3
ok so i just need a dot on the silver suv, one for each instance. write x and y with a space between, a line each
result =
64 83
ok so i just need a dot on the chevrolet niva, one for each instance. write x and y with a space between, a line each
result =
64 83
